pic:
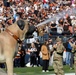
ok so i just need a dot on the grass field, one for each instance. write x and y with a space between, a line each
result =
38 70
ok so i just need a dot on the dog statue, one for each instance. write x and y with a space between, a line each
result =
9 42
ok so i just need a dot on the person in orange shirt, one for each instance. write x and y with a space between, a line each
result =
45 56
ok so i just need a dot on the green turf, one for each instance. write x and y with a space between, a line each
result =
38 70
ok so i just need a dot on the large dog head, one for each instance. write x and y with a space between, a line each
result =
27 30
21 28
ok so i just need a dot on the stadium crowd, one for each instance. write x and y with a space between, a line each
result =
37 11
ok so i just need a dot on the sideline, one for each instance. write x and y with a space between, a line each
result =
54 74
65 74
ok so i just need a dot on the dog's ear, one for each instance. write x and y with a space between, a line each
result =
30 31
21 24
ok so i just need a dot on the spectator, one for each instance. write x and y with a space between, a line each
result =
17 58
33 55
22 61
46 35
66 28
68 51
60 27
45 56
35 34
41 32
38 47
64 38
53 29
50 45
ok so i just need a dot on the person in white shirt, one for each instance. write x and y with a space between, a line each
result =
33 55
